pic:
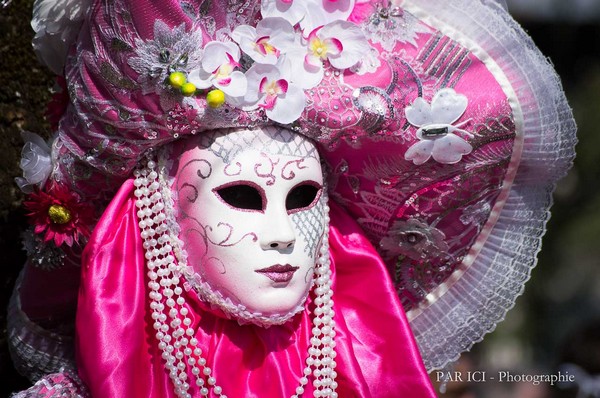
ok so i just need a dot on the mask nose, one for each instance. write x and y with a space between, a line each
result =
278 232
282 244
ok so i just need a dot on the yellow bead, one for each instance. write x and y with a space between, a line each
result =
215 98
59 214
177 79
188 89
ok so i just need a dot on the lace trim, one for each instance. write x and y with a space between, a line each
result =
35 351
64 384
480 298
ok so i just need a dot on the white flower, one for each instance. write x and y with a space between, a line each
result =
437 134
271 38
218 69
272 90
36 162
309 13
56 24
341 43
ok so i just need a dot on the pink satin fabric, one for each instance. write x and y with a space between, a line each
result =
118 356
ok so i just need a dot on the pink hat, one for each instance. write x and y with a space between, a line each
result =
443 127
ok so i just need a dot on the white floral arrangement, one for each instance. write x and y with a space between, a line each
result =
289 49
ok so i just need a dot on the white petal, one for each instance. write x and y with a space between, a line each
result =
243 31
288 107
292 12
322 12
215 54
35 139
237 87
420 152
338 9
354 43
23 185
248 47
200 78
306 76
280 31
450 149
447 106
254 76
314 17
36 161
419 113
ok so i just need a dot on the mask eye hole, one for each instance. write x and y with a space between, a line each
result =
241 196
302 197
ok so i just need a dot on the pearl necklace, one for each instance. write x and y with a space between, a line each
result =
174 333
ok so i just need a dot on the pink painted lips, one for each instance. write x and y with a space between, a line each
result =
278 272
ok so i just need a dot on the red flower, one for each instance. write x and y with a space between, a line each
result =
59 213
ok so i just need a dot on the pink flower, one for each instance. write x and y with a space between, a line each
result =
60 214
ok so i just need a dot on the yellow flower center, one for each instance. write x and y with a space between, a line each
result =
319 48
224 71
263 46
272 89
59 214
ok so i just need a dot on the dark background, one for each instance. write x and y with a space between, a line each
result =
562 295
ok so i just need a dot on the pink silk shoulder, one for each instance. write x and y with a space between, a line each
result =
118 356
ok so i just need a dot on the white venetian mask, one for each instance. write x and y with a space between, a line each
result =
251 216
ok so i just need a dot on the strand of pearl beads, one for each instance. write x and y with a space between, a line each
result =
172 325
321 360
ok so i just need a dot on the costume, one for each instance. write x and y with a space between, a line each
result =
441 131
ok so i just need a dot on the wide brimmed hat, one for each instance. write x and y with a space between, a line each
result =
443 127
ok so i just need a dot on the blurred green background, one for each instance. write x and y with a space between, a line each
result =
563 294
